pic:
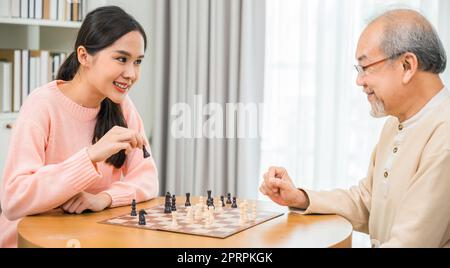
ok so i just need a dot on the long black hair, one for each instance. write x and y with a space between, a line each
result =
100 29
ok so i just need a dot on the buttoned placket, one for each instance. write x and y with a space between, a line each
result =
391 158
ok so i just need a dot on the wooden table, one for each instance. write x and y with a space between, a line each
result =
291 230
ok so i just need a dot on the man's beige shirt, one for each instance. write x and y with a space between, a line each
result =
405 199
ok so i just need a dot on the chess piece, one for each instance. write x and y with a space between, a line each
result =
208 199
133 208
146 154
209 219
174 219
244 209
219 208
198 212
228 198
190 214
222 200
174 203
234 205
73 243
167 204
200 200
142 214
242 215
210 202
188 201
254 215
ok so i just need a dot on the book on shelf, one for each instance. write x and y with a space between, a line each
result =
27 70
24 7
6 81
5 8
58 10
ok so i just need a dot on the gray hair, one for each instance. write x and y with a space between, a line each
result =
413 34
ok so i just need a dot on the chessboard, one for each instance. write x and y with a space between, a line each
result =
226 223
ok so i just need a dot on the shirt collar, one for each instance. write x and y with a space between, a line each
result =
435 102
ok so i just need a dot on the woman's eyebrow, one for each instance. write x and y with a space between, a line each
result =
126 53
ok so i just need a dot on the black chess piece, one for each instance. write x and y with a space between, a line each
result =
168 203
174 203
228 198
234 205
188 201
146 154
133 208
209 196
142 214
222 199
210 202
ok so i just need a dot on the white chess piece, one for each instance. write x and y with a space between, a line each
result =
205 211
190 215
219 208
242 215
200 200
254 212
209 219
174 220
254 215
73 243
244 207
198 212
211 216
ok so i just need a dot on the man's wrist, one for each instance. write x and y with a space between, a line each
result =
302 200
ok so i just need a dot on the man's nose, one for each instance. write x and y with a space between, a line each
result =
360 81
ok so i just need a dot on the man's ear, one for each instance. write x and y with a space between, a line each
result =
410 66
83 56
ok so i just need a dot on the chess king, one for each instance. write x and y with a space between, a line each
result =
78 143
404 201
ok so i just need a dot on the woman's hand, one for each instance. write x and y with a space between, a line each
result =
84 201
116 140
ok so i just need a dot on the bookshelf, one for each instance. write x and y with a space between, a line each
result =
41 22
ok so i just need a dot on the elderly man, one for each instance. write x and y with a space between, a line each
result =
405 199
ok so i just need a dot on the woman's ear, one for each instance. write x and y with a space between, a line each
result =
83 56
410 66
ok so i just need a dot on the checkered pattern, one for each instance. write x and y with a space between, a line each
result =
225 224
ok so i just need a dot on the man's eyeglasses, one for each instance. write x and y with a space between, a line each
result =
362 69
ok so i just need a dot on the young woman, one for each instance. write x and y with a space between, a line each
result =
78 142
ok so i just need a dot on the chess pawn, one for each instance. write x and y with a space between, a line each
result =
73 243
168 203
209 219
133 208
228 198
242 216
188 201
209 196
205 210
234 204
198 212
174 220
174 203
254 215
190 215
219 209
200 200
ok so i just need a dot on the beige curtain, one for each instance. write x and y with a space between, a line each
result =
214 49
